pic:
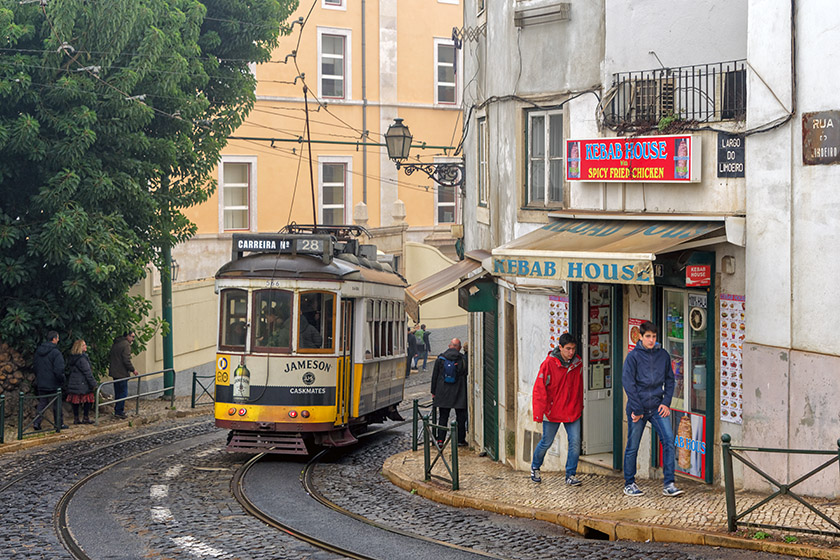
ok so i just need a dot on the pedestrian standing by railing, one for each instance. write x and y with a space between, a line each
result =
49 376
120 370
80 382
449 390
558 399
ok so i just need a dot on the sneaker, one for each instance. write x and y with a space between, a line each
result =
463 444
572 481
65 427
121 416
535 475
671 490
632 490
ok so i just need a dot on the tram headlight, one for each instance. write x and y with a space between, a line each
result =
242 412
304 413
232 411
293 414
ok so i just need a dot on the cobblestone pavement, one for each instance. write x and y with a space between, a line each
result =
354 482
33 482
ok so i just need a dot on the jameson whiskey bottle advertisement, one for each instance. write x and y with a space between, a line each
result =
241 384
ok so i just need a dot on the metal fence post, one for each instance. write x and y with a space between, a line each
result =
171 393
427 459
3 418
415 412
192 398
20 416
731 513
137 400
59 412
453 439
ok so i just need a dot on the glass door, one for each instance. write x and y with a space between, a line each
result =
597 360
684 337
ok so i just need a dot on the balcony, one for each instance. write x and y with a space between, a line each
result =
686 95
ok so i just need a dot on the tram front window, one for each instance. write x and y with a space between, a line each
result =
316 324
273 310
234 319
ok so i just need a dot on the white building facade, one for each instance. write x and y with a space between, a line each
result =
628 162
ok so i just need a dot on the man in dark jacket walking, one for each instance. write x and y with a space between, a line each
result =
449 389
649 383
411 351
49 376
120 368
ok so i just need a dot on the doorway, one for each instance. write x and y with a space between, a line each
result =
598 314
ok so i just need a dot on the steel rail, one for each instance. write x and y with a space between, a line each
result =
41 465
65 535
241 497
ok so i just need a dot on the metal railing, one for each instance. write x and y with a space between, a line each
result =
57 421
416 434
732 515
138 395
194 401
703 93
3 418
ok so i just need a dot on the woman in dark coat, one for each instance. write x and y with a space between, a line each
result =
80 382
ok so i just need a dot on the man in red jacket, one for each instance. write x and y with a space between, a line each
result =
558 399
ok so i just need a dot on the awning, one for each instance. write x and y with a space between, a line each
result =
441 283
610 251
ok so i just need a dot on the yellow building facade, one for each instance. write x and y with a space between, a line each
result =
363 64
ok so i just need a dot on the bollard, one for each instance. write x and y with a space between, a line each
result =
192 399
729 484
453 439
59 416
3 417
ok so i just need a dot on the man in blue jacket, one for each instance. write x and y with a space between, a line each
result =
649 384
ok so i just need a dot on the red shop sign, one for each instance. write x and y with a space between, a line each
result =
698 275
646 159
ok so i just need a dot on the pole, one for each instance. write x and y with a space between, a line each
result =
166 295
729 484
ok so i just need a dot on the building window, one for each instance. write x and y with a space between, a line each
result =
445 72
334 4
335 189
333 70
545 157
482 162
479 6
237 180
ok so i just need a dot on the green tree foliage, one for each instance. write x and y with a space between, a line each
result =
112 117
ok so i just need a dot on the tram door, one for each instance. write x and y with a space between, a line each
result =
345 364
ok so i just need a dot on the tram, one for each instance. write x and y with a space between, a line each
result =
311 340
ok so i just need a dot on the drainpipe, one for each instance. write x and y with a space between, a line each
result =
364 110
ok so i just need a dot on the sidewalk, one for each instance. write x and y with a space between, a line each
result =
151 410
599 509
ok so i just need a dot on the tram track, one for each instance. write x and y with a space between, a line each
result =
306 481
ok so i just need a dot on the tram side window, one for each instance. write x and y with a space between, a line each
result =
369 330
273 314
316 321
234 319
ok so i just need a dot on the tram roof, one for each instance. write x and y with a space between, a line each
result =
265 265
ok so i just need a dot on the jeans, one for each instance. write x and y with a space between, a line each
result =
549 431
460 418
121 392
634 437
420 354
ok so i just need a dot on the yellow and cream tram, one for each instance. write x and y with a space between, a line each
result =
311 341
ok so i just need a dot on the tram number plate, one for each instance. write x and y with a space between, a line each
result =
315 246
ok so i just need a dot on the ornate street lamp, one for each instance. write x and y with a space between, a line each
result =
398 143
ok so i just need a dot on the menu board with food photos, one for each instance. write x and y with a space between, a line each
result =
732 335
558 318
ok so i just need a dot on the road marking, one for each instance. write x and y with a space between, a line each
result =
173 471
159 491
198 548
161 514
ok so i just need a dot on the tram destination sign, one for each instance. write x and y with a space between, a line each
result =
318 245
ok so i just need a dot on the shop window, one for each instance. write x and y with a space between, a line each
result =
273 321
316 322
233 331
545 158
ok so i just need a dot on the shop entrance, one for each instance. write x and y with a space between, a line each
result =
598 315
